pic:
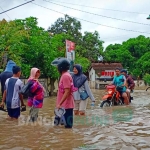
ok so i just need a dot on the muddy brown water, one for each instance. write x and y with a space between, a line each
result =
113 128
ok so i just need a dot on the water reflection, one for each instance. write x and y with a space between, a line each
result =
122 128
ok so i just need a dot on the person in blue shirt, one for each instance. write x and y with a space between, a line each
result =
120 82
8 73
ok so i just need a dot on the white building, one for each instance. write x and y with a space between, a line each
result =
98 70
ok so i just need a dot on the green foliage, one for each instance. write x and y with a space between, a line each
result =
147 78
38 45
137 46
29 45
91 46
112 47
144 63
67 25
12 37
133 54
120 55
57 49
84 62
88 45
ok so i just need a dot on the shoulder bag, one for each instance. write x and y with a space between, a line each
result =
25 90
83 95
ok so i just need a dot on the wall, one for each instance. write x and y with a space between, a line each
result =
46 84
92 74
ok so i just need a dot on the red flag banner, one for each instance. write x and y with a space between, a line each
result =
70 46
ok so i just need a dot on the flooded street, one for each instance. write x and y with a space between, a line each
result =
113 128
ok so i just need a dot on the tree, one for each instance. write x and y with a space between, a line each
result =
42 49
144 64
120 55
67 25
12 37
84 62
147 78
113 47
133 54
37 44
137 46
91 46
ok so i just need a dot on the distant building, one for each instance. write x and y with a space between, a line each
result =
98 70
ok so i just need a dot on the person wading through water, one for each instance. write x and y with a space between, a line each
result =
80 81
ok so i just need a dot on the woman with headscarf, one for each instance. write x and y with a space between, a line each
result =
35 100
80 81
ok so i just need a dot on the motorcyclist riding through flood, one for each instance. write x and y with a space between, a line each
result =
116 91
130 83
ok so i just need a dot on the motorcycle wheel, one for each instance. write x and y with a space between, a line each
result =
105 104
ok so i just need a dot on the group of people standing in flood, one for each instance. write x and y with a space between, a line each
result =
68 96
73 91
11 86
69 89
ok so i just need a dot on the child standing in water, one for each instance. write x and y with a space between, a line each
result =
13 98
35 100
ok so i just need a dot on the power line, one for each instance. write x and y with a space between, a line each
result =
5 13
98 14
114 37
118 37
91 21
16 7
102 8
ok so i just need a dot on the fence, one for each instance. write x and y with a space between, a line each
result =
46 84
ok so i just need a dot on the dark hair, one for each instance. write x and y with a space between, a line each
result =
63 65
118 69
16 69
123 70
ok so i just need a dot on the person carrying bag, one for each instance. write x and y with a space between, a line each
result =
80 97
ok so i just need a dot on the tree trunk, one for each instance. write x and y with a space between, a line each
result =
52 87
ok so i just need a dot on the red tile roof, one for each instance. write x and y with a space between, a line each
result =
106 66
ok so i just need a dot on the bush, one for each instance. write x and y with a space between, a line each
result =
146 79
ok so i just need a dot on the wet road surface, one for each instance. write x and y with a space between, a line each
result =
113 128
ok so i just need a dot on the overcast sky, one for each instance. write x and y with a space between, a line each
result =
108 35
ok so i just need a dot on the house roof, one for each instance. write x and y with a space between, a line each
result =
106 66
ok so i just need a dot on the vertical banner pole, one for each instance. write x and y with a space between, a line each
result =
70 47
66 49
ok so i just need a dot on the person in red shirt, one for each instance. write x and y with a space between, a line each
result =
129 81
65 93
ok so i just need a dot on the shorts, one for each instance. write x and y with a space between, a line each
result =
80 105
14 113
121 92
128 90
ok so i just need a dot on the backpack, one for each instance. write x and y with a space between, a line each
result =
25 90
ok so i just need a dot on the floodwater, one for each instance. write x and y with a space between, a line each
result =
113 128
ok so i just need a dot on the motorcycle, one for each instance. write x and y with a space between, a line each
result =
112 97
